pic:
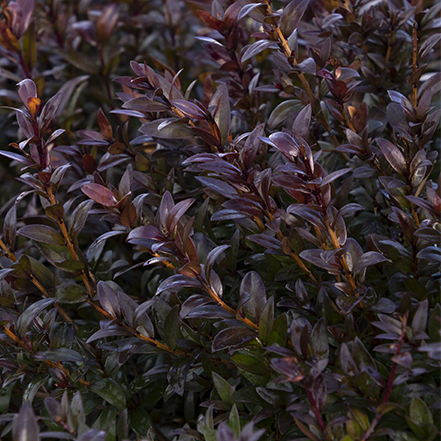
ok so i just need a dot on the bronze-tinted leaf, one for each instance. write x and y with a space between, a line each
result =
99 194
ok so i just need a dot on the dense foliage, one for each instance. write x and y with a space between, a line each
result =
220 220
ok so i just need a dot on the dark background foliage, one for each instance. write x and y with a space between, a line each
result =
220 220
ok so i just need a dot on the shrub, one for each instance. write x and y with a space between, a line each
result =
247 248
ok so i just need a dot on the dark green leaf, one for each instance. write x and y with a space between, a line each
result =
111 391
42 233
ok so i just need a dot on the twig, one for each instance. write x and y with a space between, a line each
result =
70 244
137 334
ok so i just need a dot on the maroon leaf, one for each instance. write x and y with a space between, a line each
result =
107 21
285 144
99 194
27 89
232 338
108 299
368 259
211 259
301 124
253 289
49 110
292 15
257 48
10 227
334 175
143 104
176 213
211 22
393 155
220 108
218 186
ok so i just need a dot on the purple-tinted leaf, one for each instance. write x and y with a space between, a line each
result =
177 374
430 253
143 104
49 111
192 303
433 84
347 303
368 259
128 112
232 338
288 368
393 155
310 215
246 206
208 311
291 16
248 8
306 66
106 236
10 227
285 144
221 101
334 175
266 241
25 426
249 151
170 129
189 109
316 258
107 21
27 89
78 218
349 209
176 283
420 203
282 111
252 286
427 46
108 299
211 259
223 215
145 232
99 194
248 433
176 213
301 124
224 433
257 48
28 316
16 157
54 135
93 435
218 186
42 233
25 125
